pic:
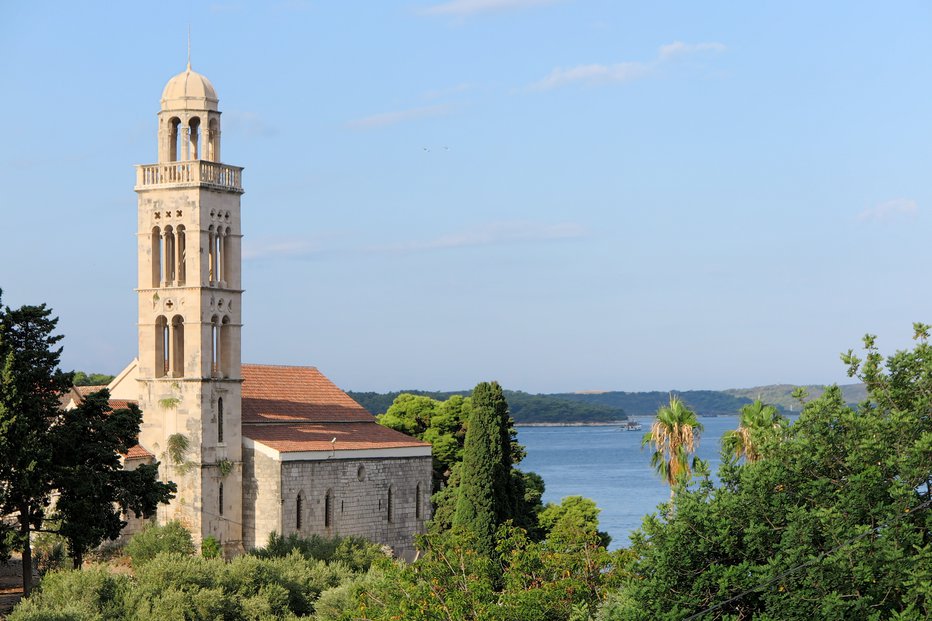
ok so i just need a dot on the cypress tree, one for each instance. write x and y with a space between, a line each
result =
486 499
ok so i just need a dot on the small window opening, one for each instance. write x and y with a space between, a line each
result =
389 512
220 419
299 511
220 498
328 509
417 502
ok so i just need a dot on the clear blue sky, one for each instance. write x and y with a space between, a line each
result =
558 195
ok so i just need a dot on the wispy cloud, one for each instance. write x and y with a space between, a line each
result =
384 119
624 71
889 210
472 7
492 234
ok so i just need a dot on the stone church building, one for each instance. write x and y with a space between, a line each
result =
252 448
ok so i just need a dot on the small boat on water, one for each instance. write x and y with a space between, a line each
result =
631 425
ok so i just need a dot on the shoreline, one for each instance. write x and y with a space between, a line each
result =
617 423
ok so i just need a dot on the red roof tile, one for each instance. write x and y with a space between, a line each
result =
317 437
137 452
295 394
86 390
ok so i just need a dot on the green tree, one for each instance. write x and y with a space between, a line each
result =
673 436
755 419
486 497
30 387
574 515
832 522
94 491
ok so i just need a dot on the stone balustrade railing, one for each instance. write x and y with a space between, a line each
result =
196 172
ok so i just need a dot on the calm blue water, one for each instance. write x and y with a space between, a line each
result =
609 466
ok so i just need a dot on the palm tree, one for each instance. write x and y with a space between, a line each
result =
755 418
674 436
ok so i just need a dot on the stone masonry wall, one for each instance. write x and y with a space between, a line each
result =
385 500
262 505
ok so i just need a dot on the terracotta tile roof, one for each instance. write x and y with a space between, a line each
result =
86 390
295 394
316 437
119 404
137 452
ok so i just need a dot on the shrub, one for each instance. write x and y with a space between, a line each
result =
153 539
93 594
210 547
356 553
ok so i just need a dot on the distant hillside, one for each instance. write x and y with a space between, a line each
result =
593 407
703 402
524 407
780 394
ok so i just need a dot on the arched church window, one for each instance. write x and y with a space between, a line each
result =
389 504
211 256
161 346
225 348
298 511
215 346
168 252
174 138
328 509
220 419
227 260
177 346
156 249
417 502
180 254
194 136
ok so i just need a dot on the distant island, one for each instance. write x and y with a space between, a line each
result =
593 407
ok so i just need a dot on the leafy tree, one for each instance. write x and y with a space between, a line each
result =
94 489
91 379
755 419
30 387
673 436
832 522
574 515
486 497
155 539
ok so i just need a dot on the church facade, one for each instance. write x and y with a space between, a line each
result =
252 448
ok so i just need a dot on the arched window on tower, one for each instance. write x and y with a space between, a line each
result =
168 252
299 512
226 364
220 420
211 256
177 346
194 136
174 138
213 146
161 346
180 255
328 509
227 261
156 257
215 346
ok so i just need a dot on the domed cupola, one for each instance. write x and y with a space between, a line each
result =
189 121
189 90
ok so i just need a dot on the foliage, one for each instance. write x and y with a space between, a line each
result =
30 386
833 522
210 547
755 420
49 551
673 435
486 497
575 514
94 491
91 379
532 580
94 594
354 552
155 539
525 408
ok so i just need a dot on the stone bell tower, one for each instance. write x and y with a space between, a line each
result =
190 313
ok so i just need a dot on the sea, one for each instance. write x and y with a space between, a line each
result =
608 465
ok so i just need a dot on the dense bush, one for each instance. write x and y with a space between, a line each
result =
93 594
155 539
354 552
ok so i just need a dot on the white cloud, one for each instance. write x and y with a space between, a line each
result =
471 7
493 234
888 210
391 118
624 71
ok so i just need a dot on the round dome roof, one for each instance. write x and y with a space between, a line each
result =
189 90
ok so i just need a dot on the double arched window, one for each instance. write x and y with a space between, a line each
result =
169 346
168 247
184 141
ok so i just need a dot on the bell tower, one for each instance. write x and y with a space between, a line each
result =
190 313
